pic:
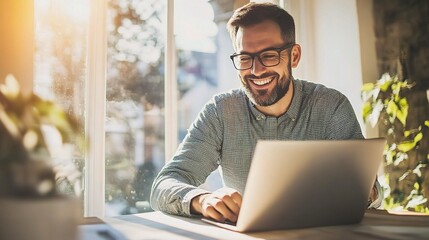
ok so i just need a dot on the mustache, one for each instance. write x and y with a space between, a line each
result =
264 75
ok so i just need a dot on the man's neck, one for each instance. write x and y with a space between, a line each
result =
281 106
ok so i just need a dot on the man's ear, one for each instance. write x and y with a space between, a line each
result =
295 55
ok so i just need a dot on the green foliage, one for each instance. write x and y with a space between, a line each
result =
25 116
34 131
385 104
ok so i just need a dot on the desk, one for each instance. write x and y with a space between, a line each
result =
376 224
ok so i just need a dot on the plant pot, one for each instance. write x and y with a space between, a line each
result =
39 219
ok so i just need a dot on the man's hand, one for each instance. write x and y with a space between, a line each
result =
374 194
222 204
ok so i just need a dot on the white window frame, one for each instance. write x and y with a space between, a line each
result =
94 194
96 111
171 95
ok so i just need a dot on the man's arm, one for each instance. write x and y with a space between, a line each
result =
197 156
221 205
376 197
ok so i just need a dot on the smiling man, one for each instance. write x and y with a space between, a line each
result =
270 105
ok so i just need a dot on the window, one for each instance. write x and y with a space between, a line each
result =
142 101
60 66
135 119
135 85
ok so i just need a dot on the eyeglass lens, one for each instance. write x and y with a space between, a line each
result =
268 58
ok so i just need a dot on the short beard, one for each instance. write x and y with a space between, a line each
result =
263 97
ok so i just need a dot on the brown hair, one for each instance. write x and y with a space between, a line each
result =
254 13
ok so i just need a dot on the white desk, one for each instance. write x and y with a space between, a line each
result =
156 225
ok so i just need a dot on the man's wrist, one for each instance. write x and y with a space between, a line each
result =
197 202
376 198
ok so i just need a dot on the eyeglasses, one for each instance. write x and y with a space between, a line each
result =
268 57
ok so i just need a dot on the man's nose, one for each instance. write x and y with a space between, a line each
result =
257 68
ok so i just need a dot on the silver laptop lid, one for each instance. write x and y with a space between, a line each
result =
295 184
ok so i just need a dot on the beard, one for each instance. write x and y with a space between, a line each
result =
267 97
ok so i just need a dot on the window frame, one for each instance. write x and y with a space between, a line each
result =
94 184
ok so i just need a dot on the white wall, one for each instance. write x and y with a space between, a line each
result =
367 39
337 50
227 75
328 31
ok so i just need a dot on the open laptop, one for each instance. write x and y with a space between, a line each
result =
297 184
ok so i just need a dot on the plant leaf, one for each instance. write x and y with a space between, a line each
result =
408 145
400 156
401 115
366 110
385 81
375 93
404 175
367 87
417 170
30 140
407 133
10 89
8 123
391 108
375 114
418 137
385 86
415 201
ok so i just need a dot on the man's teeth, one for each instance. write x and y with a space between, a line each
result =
261 82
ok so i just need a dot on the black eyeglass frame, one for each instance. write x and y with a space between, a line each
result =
257 54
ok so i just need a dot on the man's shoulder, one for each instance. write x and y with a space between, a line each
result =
319 91
231 96
228 103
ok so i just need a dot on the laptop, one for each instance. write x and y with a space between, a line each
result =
300 184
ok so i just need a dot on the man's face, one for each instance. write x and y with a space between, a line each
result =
264 85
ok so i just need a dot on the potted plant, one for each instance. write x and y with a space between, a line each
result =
405 160
33 133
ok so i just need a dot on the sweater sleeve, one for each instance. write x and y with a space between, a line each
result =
197 156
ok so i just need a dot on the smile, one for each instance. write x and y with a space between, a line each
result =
263 81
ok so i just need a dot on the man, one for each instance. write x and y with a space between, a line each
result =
270 105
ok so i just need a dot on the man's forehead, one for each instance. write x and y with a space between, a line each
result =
258 36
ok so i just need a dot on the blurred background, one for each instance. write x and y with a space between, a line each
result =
160 61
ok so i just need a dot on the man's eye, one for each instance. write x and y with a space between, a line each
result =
269 56
244 58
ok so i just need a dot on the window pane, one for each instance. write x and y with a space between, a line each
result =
204 67
60 70
135 103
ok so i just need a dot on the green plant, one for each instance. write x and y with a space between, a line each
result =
34 133
406 162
